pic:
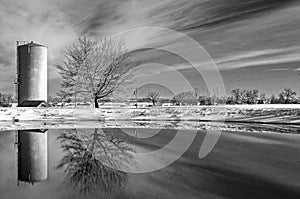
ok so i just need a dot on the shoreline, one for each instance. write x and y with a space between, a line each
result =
245 114
181 125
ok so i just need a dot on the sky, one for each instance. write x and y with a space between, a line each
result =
253 43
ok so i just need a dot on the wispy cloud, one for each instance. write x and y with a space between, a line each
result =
235 33
279 69
197 14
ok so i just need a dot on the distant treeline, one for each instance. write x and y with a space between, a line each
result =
236 96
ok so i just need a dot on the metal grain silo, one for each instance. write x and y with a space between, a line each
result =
31 72
32 156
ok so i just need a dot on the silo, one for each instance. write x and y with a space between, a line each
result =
31 72
32 156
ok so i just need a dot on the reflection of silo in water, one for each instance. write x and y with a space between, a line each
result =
32 156
31 72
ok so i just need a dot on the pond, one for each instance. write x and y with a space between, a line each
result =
259 162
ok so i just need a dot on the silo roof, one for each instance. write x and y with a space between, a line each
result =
32 103
32 44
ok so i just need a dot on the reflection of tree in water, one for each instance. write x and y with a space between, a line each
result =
92 159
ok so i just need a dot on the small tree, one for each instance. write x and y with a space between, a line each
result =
222 100
190 98
6 100
287 96
93 68
153 97
230 100
54 99
262 99
250 96
236 96
273 99
186 98
176 100
243 96
179 98
206 100
202 100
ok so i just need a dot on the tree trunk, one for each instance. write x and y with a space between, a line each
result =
96 102
95 137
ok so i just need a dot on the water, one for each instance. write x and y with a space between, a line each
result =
90 163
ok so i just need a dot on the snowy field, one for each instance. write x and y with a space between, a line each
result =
265 114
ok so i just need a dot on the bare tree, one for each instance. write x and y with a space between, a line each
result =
236 96
189 97
262 98
6 100
95 68
244 96
176 100
287 96
205 100
153 97
250 96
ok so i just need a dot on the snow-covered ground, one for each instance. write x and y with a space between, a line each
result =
270 113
